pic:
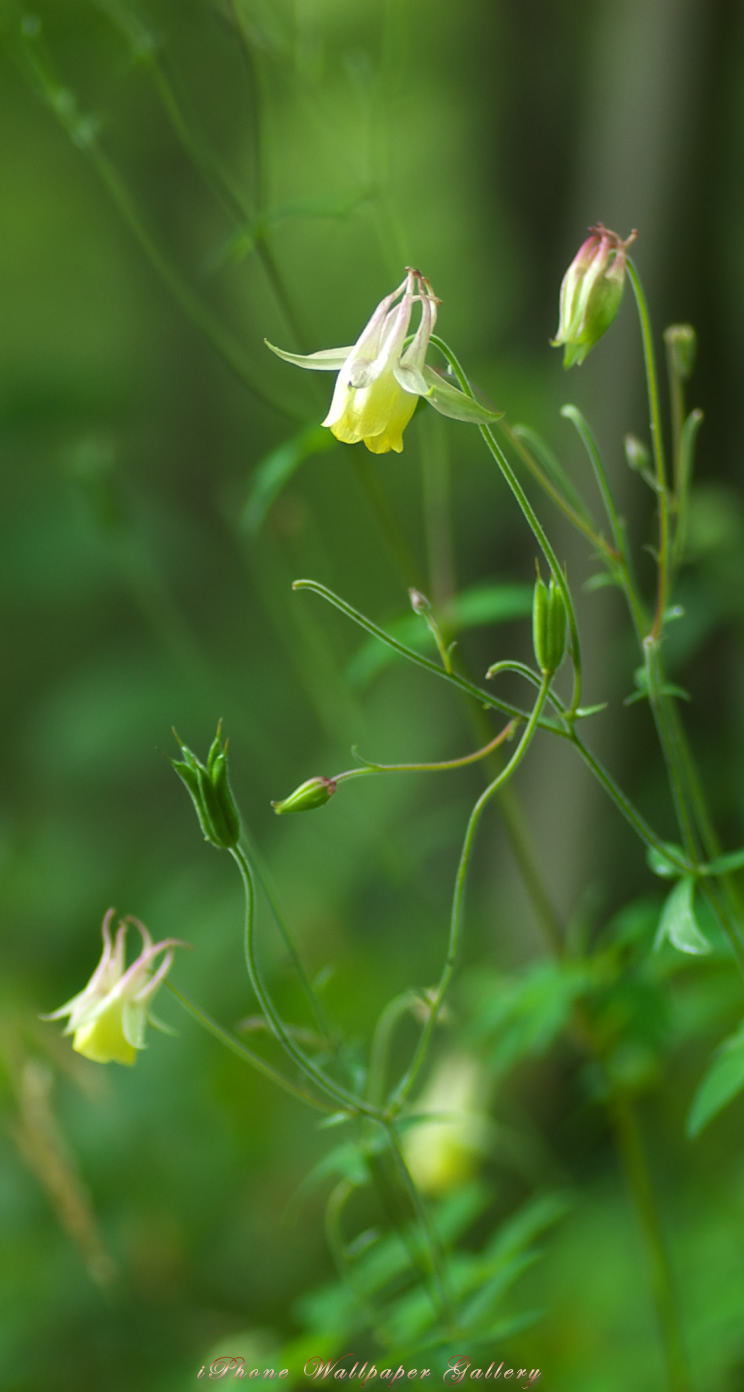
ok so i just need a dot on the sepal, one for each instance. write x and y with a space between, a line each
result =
210 792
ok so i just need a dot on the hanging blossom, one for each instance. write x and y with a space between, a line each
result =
381 378
108 1018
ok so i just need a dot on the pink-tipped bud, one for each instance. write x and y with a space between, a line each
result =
316 792
591 292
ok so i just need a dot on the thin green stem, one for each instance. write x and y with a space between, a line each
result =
657 441
436 634
485 698
729 921
268 887
550 556
677 409
337 1201
83 133
630 1145
453 946
247 1055
388 1019
445 764
687 452
435 1260
577 514
532 520
220 338
621 556
345 1099
665 730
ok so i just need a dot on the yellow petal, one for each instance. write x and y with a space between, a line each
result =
103 1041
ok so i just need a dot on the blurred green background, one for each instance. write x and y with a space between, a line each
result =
147 1215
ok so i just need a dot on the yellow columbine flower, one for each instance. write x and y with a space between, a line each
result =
443 1151
381 379
108 1018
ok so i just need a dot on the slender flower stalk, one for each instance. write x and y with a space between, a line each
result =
532 521
341 1095
657 440
404 1087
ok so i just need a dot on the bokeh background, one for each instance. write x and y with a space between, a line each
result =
154 510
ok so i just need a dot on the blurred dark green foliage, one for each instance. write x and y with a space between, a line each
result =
146 583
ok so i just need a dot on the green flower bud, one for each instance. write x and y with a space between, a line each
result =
681 340
316 792
591 292
637 455
210 792
548 626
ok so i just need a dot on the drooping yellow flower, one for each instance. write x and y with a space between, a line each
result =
108 1018
443 1151
381 378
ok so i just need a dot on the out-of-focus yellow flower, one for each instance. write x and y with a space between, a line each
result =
108 1018
380 379
444 1152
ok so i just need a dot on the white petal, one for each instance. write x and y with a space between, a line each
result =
411 379
327 360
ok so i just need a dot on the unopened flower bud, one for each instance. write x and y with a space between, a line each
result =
681 340
548 626
591 292
316 792
419 603
637 455
210 791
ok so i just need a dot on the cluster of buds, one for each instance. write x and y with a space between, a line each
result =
591 292
381 378
107 1019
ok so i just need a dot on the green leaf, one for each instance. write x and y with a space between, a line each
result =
522 1016
600 581
661 864
346 1161
678 923
483 1304
733 860
450 401
276 469
457 1211
337 1119
723 1081
533 1218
